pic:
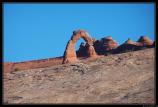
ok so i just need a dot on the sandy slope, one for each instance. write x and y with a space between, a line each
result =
120 78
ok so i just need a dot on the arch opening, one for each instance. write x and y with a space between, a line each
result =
80 48
78 43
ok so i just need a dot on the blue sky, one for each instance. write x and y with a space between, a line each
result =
37 31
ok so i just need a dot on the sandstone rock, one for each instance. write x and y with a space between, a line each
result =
86 82
80 67
94 40
129 41
129 45
109 43
145 41
105 45
82 50
70 54
8 67
14 66
90 51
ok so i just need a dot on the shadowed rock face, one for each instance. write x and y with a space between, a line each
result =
105 45
82 50
126 47
129 45
70 53
153 45
102 46
142 41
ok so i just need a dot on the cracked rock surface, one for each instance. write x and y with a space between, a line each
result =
113 79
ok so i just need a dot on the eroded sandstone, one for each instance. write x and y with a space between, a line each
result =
70 53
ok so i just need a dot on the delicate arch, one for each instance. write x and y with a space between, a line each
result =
70 53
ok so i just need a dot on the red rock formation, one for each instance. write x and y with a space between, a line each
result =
7 67
145 41
129 41
129 45
70 53
86 50
13 66
109 43
104 45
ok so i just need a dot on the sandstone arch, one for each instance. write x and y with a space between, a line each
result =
70 53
